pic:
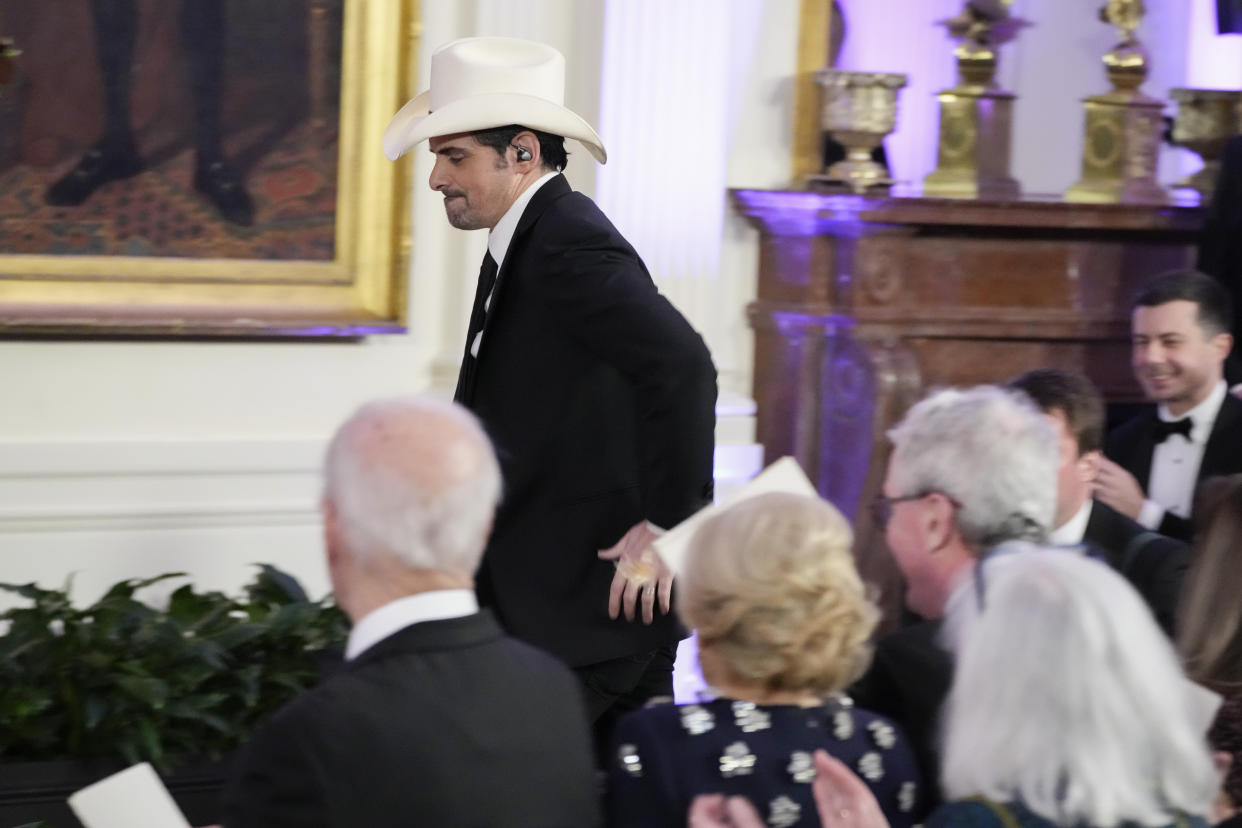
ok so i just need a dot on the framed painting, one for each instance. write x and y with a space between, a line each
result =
203 167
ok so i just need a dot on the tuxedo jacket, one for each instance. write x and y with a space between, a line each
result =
600 400
1131 446
442 723
1153 564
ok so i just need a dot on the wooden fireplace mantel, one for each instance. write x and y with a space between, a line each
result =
864 303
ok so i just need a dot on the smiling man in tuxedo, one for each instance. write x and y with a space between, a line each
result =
1155 462
598 394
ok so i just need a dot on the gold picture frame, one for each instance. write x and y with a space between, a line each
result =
361 289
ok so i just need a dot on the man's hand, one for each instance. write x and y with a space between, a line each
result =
640 573
1116 487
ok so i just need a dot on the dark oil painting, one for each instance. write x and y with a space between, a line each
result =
204 129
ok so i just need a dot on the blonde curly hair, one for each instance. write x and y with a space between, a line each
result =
771 587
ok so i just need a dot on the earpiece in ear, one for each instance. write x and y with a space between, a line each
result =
523 154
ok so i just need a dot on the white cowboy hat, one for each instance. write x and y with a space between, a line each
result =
484 82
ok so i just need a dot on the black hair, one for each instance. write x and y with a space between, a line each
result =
551 147
1213 300
1074 396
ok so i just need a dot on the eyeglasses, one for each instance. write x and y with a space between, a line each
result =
882 507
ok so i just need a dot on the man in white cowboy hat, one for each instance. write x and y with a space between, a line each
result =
599 396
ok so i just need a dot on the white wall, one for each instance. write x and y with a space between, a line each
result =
1051 66
124 459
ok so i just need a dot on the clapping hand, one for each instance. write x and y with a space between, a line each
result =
841 798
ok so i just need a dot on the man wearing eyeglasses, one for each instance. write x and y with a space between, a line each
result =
969 470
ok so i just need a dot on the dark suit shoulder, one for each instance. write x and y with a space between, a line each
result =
1123 439
494 726
1153 563
1228 419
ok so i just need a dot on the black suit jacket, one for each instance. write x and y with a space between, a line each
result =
1131 446
1220 243
1155 566
600 400
908 681
442 723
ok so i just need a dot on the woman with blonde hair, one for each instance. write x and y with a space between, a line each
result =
1068 710
783 623
1209 636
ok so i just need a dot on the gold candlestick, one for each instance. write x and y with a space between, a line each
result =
1123 125
976 117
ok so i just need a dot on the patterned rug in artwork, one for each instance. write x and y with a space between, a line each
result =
159 213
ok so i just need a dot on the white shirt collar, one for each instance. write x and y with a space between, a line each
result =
382 622
1202 416
498 240
1071 532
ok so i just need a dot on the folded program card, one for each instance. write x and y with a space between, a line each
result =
785 475
132 798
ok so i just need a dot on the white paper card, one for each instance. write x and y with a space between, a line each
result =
785 475
133 798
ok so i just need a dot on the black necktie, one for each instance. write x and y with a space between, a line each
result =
478 314
1164 429
487 281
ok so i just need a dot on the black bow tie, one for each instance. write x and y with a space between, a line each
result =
1164 429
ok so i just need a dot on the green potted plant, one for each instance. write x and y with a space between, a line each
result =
88 690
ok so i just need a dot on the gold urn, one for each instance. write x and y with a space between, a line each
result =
1206 120
859 109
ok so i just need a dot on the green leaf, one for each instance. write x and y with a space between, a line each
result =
150 740
126 589
277 586
121 678
234 637
150 690
31 591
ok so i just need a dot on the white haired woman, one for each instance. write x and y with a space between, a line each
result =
1068 705
783 622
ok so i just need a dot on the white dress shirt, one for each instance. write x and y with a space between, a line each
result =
501 236
379 623
1175 462
1072 531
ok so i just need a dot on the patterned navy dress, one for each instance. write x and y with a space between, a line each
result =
664 756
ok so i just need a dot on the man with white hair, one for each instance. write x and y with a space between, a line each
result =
598 394
969 470
437 717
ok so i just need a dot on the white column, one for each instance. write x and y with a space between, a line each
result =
664 115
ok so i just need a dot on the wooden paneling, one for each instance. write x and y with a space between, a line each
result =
864 303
